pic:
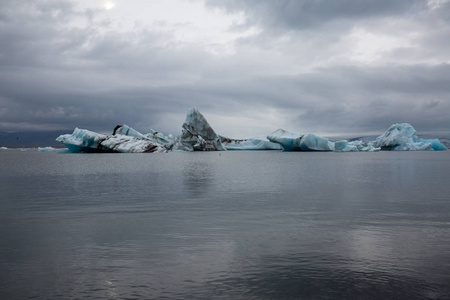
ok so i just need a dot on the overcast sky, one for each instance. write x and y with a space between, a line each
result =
250 66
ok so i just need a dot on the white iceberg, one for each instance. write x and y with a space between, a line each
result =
292 141
402 137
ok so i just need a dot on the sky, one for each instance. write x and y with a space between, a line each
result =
250 66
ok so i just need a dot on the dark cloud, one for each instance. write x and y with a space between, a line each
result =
330 68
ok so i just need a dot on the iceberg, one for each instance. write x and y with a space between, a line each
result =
197 135
292 141
82 140
402 137
256 143
399 137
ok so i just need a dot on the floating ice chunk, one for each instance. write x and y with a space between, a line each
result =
82 140
3 148
197 135
291 141
256 143
402 137
47 149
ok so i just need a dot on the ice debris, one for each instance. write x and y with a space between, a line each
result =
47 149
198 135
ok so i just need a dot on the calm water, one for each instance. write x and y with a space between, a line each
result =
230 225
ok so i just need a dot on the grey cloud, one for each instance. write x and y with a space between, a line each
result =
305 14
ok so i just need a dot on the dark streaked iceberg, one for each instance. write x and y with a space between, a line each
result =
82 140
197 135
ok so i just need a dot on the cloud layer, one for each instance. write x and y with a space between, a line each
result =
249 66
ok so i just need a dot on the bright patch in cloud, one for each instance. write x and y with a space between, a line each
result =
188 22
109 5
369 47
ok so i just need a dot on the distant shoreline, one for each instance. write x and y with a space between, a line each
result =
42 146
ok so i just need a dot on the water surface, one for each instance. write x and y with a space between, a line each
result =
228 225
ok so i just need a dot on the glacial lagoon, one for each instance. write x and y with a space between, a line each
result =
225 225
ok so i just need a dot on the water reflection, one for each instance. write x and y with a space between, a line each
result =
197 177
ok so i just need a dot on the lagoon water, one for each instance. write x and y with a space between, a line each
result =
228 225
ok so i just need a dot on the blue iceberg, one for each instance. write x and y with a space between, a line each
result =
402 137
291 141
399 137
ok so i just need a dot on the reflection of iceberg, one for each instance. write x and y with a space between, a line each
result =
198 135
